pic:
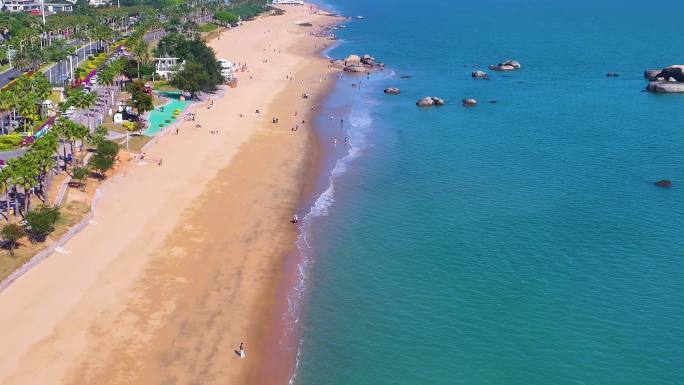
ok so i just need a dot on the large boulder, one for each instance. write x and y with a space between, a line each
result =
470 102
429 101
368 60
675 71
479 75
425 102
508 65
663 87
392 91
351 60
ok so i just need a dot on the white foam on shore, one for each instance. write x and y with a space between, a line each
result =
361 124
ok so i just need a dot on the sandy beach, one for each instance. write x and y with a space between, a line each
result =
182 260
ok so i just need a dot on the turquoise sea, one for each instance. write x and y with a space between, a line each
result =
514 243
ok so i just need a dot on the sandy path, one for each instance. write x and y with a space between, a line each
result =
183 259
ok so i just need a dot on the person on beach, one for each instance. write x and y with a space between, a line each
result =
242 350
176 130
294 219
160 162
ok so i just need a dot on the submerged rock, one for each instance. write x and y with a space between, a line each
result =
406 77
612 75
664 183
470 102
392 91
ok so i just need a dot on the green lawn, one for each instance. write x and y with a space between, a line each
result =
208 27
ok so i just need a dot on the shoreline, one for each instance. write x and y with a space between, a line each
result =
128 305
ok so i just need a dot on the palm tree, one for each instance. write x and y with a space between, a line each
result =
62 131
141 52
104 34
58 52
8 102
86 101
5 178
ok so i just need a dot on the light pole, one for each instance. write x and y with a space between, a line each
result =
42 9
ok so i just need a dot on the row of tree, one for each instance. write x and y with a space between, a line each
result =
23 101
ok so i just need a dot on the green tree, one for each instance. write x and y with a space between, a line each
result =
80 174
39 223
11 233
101 163
193 79
140 100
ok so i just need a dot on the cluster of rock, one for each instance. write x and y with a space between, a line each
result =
667 80
392 91
508 65
430 101
355 63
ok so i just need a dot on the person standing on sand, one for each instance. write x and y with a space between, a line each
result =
242 350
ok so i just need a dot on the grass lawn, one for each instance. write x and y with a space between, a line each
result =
114 127
71 213
208 27
135 143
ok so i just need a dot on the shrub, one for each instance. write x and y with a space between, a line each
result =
11 139
101 163
40 222
79 175
108 148
11 233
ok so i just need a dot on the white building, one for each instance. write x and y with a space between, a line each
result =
34 6
166 66
99 3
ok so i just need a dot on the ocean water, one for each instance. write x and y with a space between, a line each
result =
518 242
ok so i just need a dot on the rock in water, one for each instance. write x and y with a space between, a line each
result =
479 74
352 60
612 75
429 101
508 65
425 102
368 60
661 87
664 183
674 71
651 74
469 102
392 91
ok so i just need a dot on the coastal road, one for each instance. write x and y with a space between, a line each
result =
53 72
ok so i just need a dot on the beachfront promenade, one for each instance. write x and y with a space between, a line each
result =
148 292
